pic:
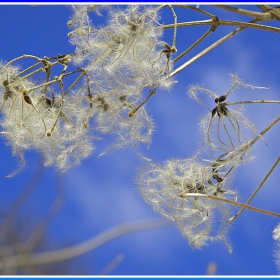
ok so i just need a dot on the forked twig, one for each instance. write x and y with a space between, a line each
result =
208 49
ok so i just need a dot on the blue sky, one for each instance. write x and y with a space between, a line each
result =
102 192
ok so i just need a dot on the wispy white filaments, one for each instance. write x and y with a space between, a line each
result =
124 61
224 128
121 65
200 219
54 127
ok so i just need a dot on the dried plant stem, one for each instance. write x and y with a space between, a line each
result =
112 265
28 190
28 75
29 68
74 83
152 92
262 16
256 190
41 228
193 45
47 83
197 9
82 248
175 26
222 22
270 126
90 102
244 148
188 23
205 51
275 12
21 57
262 101
49 133
231 202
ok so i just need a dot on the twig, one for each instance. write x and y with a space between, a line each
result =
262 101
231 202
14 209
84 247
256 190
224 22
262 16
193 45
219 42
112 265
39 231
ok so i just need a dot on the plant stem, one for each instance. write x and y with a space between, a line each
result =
256 190
231 202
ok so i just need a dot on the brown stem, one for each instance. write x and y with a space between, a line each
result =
131 114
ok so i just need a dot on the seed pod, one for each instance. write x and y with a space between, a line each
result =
48 102
5 83
27 99
222 98
214 111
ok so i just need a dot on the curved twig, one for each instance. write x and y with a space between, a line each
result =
84 247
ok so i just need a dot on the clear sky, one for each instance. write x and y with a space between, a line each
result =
102 192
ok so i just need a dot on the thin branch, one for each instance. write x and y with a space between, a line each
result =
112 265
205 51
131 113
270 126
221 22
250 25
198 10
74 83
262 16
84 247
23 56
40 230
29 68
28 190
275 12
175 26
244 148
231 202
256 190
193 45
187 23
28 75
262 101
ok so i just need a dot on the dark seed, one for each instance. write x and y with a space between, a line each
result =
27 99
214 111
222 98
